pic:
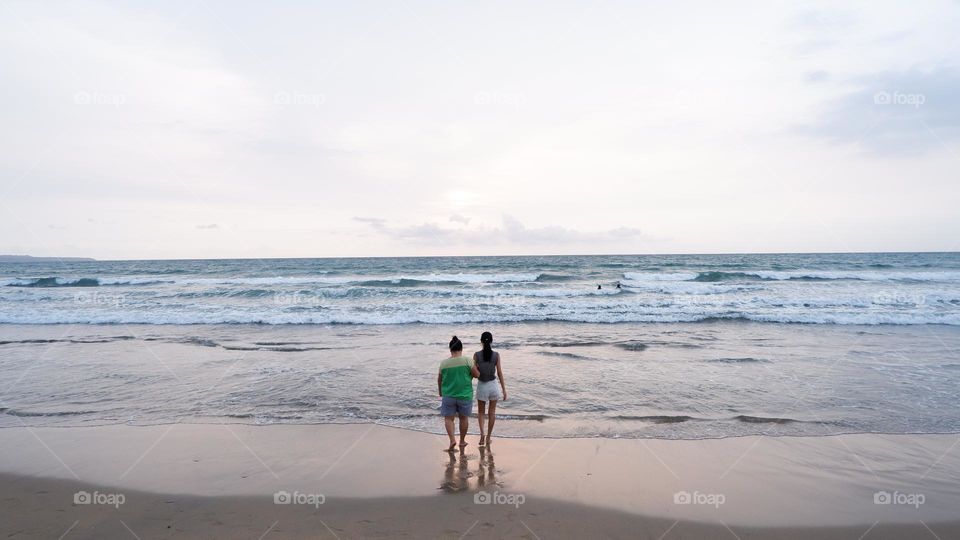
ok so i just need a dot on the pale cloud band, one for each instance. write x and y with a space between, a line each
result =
510 231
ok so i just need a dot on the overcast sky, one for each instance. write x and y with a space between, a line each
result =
268 129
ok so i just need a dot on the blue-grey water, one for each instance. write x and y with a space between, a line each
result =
905 288
688 347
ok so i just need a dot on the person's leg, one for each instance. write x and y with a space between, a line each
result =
464 408
481 414
448 410
491 418
448 423
464 426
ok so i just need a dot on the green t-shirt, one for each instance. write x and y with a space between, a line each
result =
455 379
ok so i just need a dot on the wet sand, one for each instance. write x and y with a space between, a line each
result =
351 481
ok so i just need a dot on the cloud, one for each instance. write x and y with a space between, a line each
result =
460 219
894 112
816 76
208 226
823 20
822 29
376 223
510 231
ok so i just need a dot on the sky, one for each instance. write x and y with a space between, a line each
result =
213 129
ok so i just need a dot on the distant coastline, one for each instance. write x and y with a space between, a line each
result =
28 258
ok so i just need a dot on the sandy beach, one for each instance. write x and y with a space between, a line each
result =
361 481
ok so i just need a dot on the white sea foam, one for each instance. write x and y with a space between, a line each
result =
877 289
685 287
689 313
341 280
657 276
861 275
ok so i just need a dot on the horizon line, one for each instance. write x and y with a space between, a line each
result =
72 258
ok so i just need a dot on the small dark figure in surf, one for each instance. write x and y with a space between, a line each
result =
599 287
618 284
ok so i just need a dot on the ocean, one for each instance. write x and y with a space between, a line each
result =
689 346
901 288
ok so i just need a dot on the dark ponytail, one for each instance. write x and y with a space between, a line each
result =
455 344
487 339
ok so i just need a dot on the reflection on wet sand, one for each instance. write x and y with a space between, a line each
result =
457 474
487 470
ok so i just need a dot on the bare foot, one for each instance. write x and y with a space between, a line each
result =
462 445
482 441
453 446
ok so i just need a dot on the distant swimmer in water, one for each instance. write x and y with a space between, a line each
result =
618 284
599 287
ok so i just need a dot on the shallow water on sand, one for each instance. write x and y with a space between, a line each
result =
713 379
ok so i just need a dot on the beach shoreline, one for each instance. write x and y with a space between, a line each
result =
676 381
214 480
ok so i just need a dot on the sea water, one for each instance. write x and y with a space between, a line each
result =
687 347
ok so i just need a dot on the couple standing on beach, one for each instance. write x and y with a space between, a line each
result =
455 384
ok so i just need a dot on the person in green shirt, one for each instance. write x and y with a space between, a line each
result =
455 384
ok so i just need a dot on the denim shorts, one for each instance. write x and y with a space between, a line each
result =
452 406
